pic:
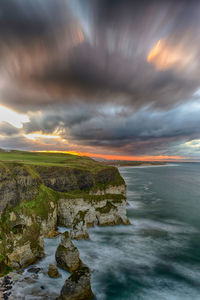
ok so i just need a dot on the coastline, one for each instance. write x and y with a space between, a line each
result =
118 163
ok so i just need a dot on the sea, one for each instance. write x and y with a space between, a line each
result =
157 257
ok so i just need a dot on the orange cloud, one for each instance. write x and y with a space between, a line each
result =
165 55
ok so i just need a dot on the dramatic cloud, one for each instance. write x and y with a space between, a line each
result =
118 129
7 129
108 76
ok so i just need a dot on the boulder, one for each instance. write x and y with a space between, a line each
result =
77 286
67 255
21 256
53 271
34 270
51 234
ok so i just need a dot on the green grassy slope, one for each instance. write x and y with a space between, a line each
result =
30 182
51 159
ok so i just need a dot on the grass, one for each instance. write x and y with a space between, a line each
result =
39 200
40 206
10 159
51 159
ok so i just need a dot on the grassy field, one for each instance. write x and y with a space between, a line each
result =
50 159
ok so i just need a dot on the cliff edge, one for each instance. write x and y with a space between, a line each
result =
39 191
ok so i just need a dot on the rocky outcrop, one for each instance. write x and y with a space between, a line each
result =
16 184
52 233
116 190
20 182
65 179
67 255
77 286
49 224
79 213
53 271
35 199
23 256
79 226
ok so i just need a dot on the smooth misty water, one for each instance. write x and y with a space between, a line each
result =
158 256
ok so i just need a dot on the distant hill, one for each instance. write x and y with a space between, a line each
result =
124 163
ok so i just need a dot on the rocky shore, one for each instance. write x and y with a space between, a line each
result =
34 200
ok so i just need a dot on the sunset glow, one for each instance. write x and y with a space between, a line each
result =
121 157
164 55
104 79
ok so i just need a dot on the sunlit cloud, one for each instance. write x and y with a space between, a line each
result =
193 144
101 78
165 55
40 135
12 117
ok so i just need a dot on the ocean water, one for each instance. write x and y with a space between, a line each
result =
156 257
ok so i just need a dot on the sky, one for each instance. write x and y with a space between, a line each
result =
116 79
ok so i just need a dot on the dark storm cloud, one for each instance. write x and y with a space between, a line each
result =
7 129
96 51
89 68
144 131
64 117
144 125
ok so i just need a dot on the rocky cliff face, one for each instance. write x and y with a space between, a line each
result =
34 199
77 286
20 182
16 184
80 213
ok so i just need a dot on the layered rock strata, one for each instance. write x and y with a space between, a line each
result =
77 286
35 199
67 255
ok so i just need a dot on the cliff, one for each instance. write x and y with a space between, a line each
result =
38 192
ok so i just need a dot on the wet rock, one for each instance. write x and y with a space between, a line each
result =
80 213
67 255
25 255
6 295
51 234
34 270
53 271
29 280
5 287
6 280
77 286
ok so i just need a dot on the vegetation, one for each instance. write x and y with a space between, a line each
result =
34 182
51 159
106 209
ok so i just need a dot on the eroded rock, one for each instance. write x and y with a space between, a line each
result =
79 226
34 270
51 234
77 286
21 256
53 271
67 255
